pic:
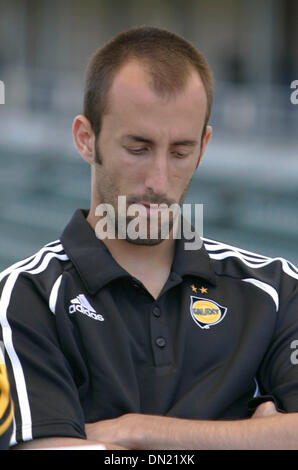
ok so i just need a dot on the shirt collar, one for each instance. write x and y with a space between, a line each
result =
96 266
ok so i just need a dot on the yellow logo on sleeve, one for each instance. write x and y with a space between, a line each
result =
6 405
206 312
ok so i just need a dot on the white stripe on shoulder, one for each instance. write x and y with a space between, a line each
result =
54 294
13 273
37 256
252 262
216 246
55 242
265 287
293 267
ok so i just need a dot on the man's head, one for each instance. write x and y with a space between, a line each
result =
144 130
167 58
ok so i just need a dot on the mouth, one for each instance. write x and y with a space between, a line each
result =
154 208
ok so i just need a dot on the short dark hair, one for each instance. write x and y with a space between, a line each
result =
168 58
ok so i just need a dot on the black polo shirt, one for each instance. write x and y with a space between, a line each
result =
86 341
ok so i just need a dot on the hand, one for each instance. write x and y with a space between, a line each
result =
122 431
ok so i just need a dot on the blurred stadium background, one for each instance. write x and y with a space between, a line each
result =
248 181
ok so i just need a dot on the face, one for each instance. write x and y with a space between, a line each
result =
148 146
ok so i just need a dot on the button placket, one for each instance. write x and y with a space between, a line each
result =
162 351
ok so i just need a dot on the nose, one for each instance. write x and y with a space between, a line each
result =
157 178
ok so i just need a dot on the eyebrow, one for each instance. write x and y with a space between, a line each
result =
186 142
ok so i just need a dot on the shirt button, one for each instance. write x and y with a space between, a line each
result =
160 342
156 312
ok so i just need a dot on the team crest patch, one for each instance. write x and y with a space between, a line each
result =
206 312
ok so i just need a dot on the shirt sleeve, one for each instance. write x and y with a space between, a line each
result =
6 407
279 370
44 393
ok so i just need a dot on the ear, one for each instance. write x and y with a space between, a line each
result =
84 137
205 140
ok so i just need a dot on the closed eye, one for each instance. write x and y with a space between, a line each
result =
137 151
141 150
180 155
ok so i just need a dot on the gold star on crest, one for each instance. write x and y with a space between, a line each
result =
203 290
194 288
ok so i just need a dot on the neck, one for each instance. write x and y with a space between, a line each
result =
141 261
142 257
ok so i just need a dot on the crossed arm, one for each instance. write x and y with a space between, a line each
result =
266 429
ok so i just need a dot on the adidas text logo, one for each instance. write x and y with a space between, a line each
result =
81 304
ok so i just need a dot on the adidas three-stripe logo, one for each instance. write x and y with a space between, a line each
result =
81 304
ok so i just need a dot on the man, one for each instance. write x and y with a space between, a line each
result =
136 342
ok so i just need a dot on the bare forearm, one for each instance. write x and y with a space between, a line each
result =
271 432
136 431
